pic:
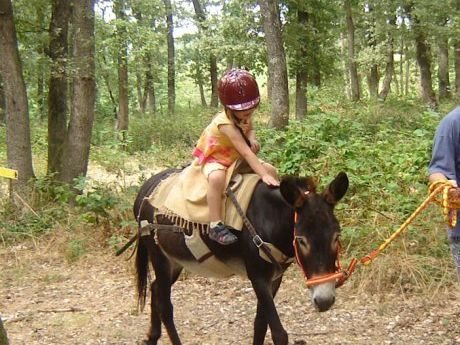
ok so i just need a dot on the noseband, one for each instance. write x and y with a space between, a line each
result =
339 276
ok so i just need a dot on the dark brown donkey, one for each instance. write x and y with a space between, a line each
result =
294 218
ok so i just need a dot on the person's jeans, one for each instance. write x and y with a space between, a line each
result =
454 243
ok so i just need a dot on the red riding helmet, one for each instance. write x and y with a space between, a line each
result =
238 90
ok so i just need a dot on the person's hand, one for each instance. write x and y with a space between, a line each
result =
454 193
255 146
270 180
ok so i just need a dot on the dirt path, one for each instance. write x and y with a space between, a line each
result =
45 300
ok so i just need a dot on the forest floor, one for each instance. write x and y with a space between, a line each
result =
47 300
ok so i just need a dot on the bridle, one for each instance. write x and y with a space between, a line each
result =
339 276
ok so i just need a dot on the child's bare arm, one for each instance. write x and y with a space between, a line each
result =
245 151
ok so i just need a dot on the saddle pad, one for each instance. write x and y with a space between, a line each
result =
182 197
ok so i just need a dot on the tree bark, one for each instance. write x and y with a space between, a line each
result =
122 58
423 57
278 82
19 150
2 102
214 78
201 18
352 66
443 68
301 73
3 335
373 76
171 58
149 90
457 69
78 140
57 89
389 68
424 61
457 60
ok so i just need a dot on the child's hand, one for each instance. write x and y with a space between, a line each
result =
270 180
255 146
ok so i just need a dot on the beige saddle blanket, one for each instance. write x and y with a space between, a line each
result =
182 197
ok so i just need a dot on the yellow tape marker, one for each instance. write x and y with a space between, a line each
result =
9 173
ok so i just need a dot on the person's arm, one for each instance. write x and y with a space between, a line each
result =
245 151
255 146
442 164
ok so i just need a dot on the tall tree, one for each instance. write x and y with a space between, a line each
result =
457 51
352 66
201 18
390 62
78 140
19 151
122 61
423 55
57 94
443 68
2 102
3 335
171 57
277 69
302 72
373 76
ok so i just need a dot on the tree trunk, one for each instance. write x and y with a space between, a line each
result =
389 70
201 18
276 63
457 60
352 66
214 78
141 97
373 81
122 58
202 97
18 146
424 61
3 335
301 73
373 73
78 140
149 91
57 93
171 58
457 69
2 102
443 68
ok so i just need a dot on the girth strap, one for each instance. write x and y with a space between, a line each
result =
255 236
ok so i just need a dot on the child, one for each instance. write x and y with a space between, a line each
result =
228 137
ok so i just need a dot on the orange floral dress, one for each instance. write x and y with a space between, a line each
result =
214 146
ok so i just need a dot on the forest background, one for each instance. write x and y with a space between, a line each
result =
128 85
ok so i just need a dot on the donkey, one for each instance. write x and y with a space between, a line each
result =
295 218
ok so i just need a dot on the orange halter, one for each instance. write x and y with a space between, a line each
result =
339 276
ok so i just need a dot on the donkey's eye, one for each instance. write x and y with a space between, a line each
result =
303 244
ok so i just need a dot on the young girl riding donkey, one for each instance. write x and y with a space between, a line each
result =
228 137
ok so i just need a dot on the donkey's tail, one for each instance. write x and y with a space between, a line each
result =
142 272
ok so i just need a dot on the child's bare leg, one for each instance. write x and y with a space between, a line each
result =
216 181
218 231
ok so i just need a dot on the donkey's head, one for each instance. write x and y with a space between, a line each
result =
316 233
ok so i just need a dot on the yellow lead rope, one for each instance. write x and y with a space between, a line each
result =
449 212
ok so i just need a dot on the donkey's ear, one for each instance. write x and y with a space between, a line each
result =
336 189
294 190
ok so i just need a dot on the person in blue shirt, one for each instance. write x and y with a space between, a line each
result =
445 165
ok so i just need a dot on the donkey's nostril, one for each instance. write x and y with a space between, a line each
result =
322 303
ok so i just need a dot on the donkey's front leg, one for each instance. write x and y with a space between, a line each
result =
266 313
